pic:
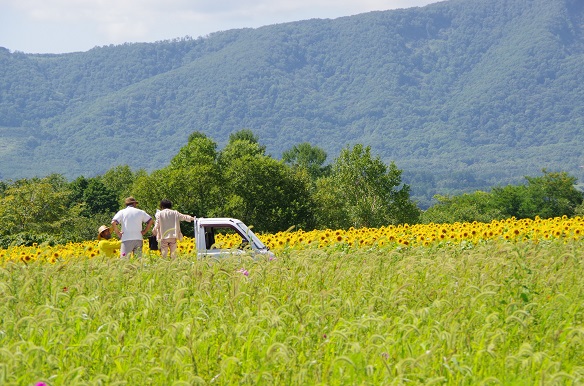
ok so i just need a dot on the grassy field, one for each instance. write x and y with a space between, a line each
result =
491 313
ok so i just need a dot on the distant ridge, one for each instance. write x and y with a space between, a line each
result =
462 95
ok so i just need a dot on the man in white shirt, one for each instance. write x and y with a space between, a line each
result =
130 220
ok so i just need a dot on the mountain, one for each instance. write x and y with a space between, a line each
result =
461 95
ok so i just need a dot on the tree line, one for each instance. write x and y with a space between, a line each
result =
241 180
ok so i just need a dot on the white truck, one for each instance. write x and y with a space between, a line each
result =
207 228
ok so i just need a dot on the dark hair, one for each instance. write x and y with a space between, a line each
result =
165 204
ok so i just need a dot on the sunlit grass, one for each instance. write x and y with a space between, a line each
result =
490 311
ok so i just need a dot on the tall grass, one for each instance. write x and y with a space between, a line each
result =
496 313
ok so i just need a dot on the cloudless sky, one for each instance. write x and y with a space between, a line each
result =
59 26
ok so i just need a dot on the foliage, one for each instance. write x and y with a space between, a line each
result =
246 135
308 157
119 179
49 210
93 195
468 207
551 195
239 148
463 95
36 205
329 208
77 188
263 192
367 192
199 150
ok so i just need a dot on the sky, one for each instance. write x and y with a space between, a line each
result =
62 26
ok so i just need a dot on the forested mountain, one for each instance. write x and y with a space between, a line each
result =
462 94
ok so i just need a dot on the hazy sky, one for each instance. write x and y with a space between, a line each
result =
58 26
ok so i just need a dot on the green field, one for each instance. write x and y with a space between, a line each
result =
496 313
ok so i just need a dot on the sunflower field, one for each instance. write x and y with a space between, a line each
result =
496 303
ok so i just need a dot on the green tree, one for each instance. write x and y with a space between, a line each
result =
199 150
306 156
195 190
265 193
33 209
77 188
93 196
330 211
245 135
98 198
369 192
238 149
260 190
510 200
552 195
119 179
192 182
468 207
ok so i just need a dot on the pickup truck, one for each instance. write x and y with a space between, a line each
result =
207 228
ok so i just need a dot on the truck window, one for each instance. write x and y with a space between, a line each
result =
209 237
211 231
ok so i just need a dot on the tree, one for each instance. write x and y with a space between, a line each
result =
195 190
468 207
306 156
368 192
329 208
552 195
119 179
93 196
3 187
99 199
240 149
244 135
241 143
510 200
30 210
199 150
192 182
265 193
77 187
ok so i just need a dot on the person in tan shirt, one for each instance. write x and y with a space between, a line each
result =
167 227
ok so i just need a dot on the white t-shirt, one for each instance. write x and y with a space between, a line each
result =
131 220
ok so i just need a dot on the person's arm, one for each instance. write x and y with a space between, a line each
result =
148 226
156 228
185 217
116 229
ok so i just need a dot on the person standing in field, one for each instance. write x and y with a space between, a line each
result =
130 219
167 227
107 246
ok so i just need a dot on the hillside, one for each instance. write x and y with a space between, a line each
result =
462 95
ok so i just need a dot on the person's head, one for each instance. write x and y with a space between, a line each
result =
104 232
165 204
131 201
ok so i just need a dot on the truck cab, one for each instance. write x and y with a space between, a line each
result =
206 229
